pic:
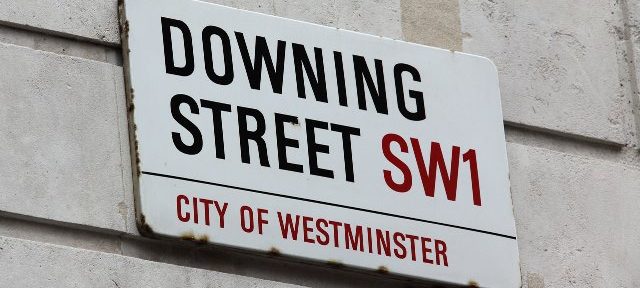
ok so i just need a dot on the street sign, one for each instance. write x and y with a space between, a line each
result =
285 137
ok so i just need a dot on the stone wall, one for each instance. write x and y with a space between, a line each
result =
571 104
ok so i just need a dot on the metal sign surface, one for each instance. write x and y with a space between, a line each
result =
275 135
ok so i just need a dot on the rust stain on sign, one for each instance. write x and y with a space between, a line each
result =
335 263
274 252
473 283
144 228
383 269
198 239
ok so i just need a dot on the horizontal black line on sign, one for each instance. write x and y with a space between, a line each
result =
328 204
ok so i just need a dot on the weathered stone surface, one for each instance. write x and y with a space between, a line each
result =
434 23
630 34
380 17
33 264
98 20
61 120
95 20
556 72
60 45
262 6
576 219
47 232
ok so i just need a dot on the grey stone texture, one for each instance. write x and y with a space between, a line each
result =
629 34
433 23
576 219
561 64
380 17
94 20
61 119
35 264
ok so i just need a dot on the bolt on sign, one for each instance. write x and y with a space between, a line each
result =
280 136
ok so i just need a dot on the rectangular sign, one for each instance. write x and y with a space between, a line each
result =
285 137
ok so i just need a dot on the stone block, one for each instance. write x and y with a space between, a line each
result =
63 127
97 21
93 20
434 23
576 219
34 264
559 63
381 17
47 232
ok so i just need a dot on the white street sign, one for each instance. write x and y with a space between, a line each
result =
280 136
